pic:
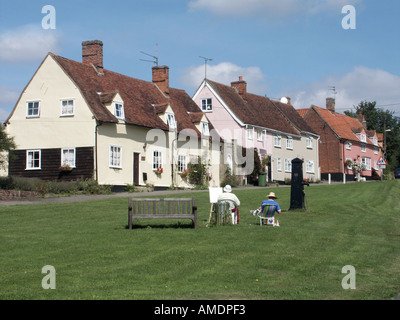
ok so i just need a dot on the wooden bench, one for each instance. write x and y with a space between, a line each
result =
162 209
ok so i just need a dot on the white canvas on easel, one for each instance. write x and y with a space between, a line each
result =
214 194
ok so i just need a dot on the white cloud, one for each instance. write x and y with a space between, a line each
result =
27 43
225 73
360 84
268 7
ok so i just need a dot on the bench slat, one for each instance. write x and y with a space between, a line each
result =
179 208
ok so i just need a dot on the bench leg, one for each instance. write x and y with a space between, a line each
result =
130 219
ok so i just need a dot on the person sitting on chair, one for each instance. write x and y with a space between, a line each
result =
228 195
271 200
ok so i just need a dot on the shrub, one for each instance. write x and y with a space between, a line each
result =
230 179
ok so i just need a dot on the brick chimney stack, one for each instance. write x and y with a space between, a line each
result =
92 53
241 87
161 78
362 120
330 104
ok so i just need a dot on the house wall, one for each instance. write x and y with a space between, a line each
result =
330 148
50 85
356 155
226 126
50 165
144 141
301 151
232 131
50 131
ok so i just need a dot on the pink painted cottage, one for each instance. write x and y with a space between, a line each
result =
274 128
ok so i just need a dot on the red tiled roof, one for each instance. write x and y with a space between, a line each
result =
344 126
143 101
261 111
302 112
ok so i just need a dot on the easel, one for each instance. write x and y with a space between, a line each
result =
214 194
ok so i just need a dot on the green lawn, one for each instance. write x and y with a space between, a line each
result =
97 257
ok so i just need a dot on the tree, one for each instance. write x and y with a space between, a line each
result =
6 146
379 119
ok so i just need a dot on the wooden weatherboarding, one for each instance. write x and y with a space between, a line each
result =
162 209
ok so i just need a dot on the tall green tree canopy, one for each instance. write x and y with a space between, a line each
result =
379 119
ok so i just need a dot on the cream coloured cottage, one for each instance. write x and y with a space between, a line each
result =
78 120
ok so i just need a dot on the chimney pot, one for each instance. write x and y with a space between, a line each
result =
92 53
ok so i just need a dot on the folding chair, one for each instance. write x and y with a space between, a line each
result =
267 216
225 208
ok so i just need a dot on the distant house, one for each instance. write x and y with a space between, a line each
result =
274 128
345 142
78 120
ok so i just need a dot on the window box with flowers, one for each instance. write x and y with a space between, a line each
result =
65 167
159 171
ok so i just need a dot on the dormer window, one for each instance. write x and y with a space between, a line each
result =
363 137
205 128
119 111
171 122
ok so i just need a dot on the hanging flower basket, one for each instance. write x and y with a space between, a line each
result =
159 171
184 174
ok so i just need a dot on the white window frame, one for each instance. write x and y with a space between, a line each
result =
171 121
363 148
288 165
309 142
119 111
279 164
260 135
206 105
115 160
367 162
310 167
289 143
30 165
376 150
348 145
363 137
65 110
250 133
277 141
181 166
157 160
65 160
36 115
205 129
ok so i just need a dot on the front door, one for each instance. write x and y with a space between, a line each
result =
136 169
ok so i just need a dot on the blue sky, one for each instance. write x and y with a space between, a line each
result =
295 48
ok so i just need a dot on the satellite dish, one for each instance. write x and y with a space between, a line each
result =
284 100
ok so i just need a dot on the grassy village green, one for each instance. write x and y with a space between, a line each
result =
97 257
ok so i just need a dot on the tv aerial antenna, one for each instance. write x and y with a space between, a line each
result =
333 89
155 61
205 65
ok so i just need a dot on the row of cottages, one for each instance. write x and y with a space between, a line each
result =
78 120
274 128
345 141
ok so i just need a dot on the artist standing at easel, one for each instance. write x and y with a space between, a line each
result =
228 195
